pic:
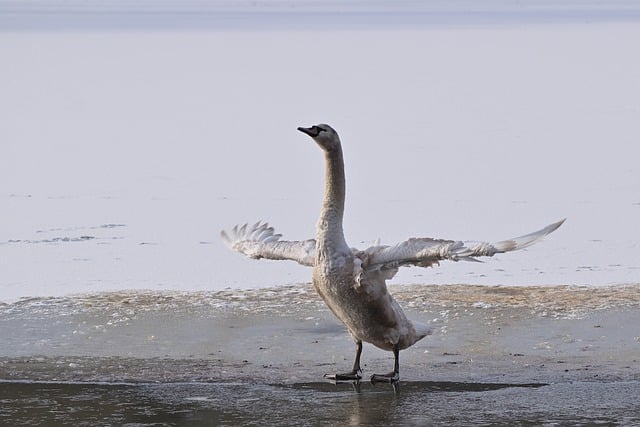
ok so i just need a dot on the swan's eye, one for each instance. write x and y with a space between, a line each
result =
319 129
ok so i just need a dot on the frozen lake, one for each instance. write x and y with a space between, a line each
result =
498 355
131 134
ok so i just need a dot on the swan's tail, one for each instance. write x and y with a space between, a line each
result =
422 330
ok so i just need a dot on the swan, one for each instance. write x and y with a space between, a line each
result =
352 282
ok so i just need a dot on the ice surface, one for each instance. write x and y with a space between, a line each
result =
123 153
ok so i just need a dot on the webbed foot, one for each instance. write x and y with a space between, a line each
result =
347 376
391 377
354 375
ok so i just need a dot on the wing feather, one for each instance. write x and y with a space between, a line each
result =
260 241
425 252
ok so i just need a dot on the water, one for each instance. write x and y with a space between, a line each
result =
418 403
150 141
109 195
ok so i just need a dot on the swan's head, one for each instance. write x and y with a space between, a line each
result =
324 136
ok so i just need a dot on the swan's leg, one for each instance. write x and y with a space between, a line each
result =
354 375
391 376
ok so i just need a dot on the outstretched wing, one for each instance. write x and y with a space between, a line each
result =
425 252
260 241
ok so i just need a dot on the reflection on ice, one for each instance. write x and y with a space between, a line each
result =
409 386
317 404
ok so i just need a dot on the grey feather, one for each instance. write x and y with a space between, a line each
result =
425 252
260 241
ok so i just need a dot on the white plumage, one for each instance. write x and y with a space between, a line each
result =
352 281
260 241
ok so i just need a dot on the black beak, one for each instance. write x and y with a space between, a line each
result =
313 131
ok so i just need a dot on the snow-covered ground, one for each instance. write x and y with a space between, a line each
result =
130 137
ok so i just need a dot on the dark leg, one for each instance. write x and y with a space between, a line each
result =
354 375
391 377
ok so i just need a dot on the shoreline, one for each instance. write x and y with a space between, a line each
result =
286 335
497 355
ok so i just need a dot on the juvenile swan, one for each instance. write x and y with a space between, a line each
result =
352 282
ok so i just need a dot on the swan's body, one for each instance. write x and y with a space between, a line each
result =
353 282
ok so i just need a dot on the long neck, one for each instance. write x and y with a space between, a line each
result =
329 232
